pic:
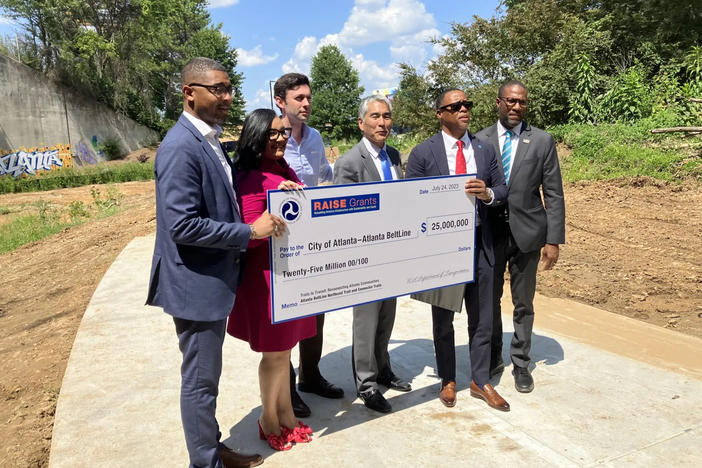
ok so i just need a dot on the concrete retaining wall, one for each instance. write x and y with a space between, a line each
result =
38 112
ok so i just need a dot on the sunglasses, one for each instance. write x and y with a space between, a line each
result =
456 106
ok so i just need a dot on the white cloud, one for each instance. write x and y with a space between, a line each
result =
374 76
261 99
6 20
304 51
254 57
380 20
404 25
412 48
222 3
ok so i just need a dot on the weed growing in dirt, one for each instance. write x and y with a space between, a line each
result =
107 204
77 210
49 220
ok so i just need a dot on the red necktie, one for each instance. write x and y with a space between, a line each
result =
460 159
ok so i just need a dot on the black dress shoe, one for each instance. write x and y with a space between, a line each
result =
375 401
496 367
322 388
523 381
300 408
396 383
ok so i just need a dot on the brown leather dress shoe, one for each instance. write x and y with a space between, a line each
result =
491 397
232 459
447 395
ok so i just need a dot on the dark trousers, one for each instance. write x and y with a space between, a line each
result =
478 301
310 354
201 346
522 274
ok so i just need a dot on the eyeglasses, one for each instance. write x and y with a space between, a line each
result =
456 106
512 102
274 133
220 89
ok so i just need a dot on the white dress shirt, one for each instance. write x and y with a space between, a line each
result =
451 147
375 151
211 134
516 131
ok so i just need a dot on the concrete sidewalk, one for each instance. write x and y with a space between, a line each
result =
609 391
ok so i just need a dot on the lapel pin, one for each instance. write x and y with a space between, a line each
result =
526 141
480 146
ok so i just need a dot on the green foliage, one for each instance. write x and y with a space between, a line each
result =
609 151
405 142
50 220
581 60
77 210
335 94
112 149
582 106
412 105
109 202
125 53
70 177
628 97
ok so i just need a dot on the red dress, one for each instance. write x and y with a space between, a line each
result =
250 319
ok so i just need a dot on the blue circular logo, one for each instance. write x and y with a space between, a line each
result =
290 210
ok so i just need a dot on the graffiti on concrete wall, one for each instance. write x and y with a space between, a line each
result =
34 161
88 153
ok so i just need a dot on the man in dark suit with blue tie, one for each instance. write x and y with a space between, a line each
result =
523 226
199 241
455 151
368 161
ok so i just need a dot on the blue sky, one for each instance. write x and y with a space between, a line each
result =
275 37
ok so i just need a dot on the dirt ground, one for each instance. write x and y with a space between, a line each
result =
634 247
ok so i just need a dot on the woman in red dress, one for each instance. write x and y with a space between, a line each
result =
261 167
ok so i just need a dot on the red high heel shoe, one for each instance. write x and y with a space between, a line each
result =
302 433
276 442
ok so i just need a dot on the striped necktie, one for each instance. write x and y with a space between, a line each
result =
385 164
507 155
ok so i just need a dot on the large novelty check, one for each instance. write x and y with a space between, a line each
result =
352 244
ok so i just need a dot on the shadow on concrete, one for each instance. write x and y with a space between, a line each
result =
336 367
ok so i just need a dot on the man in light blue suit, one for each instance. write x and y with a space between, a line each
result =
199 241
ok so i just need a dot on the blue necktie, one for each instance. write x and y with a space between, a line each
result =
507 155
385 163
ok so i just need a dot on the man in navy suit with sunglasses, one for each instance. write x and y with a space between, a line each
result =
455 151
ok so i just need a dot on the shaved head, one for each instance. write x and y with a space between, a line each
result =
196 68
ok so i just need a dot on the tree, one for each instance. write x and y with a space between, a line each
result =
125 53
413 106
335 94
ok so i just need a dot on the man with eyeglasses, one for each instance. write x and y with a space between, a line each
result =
372 160
455 151
305 154
200 237
524 225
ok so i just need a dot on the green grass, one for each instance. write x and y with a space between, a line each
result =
25 229
76 177
611 151
30 228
